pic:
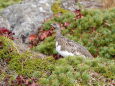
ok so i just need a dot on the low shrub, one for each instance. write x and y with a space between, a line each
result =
68 71
46 47
56 7
8 48
73 71
5 3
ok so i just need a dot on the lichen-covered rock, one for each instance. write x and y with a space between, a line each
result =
72 4
69 5
4 22
91 4
27 16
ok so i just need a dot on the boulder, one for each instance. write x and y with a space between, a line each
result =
91 4
72 4
69 5
4 23
26 17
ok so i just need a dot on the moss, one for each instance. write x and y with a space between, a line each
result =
5 3
63 71
8 48
27 66
47 47
47 25
56 7
85 76
66 72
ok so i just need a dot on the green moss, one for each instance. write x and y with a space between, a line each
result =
66 72
56 7
5 3
47 47
85 76
35 67
8 49
47 25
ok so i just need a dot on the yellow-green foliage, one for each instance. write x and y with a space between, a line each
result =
56 7
9 48
76 70
23 63
47 45
5 3
67 71
108 3
64 72
31 67
8 51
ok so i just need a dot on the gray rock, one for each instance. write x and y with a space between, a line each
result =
72 4
27 16
4 22
69 5
91 4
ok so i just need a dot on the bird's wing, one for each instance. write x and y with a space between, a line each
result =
76 48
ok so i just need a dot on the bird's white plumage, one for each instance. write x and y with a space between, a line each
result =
41 9
66 53
63 53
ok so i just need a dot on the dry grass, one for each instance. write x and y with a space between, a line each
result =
108 3
105 3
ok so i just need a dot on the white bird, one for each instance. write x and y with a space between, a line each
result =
66 47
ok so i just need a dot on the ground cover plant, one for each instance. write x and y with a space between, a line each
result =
5 3
71 71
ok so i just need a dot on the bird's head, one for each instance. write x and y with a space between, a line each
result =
56 26
57 29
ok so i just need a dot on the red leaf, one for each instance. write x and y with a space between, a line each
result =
57 56
79 16
26 81
32 37
45 34
19 80
77 11
1 45
4 30
113 83
7 33
33 84
66 24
